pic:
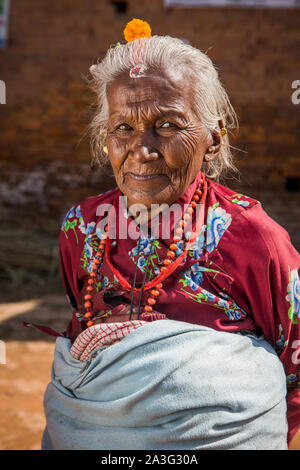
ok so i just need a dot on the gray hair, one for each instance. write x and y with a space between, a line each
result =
211 102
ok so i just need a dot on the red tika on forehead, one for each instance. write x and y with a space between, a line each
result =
137 71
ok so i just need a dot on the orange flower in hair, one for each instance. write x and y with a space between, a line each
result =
137 29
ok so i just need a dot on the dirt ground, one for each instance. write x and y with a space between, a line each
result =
24 377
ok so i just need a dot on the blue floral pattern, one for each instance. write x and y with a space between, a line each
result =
145 251
68 224
92 234
145 247
69 215
180 248
193 278
280 343
81 225
293 381
218 221
196 250
74 219
88 245
240 200
293 295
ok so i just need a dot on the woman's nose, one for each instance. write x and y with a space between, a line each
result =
142 148
143 153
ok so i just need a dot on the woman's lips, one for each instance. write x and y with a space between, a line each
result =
144 177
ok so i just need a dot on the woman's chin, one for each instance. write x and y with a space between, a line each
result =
147 197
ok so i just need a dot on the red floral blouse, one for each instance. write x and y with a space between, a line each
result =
240 275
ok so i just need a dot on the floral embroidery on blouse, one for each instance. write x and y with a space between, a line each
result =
196 249
81 225
90 247
193 279
69 215
218 221
90 243
141 259
293 381
67 224
280 343
75 214
293 296
241 200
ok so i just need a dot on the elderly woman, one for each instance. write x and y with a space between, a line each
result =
185 295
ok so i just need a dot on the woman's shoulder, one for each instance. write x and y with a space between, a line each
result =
87 210
237 201
248 219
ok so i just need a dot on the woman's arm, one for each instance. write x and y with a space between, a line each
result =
71 240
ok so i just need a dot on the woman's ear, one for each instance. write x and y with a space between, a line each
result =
214 146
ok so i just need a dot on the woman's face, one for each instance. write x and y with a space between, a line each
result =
156 144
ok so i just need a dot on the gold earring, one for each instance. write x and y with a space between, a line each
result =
222 127
105 150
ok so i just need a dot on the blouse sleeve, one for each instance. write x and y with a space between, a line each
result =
71 240
270 278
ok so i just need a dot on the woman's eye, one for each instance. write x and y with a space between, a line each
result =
167 125
124 127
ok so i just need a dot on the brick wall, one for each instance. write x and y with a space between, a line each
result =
44 156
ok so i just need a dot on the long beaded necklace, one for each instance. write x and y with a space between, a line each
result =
170 263
144 278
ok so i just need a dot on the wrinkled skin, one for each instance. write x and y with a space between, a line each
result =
152 130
